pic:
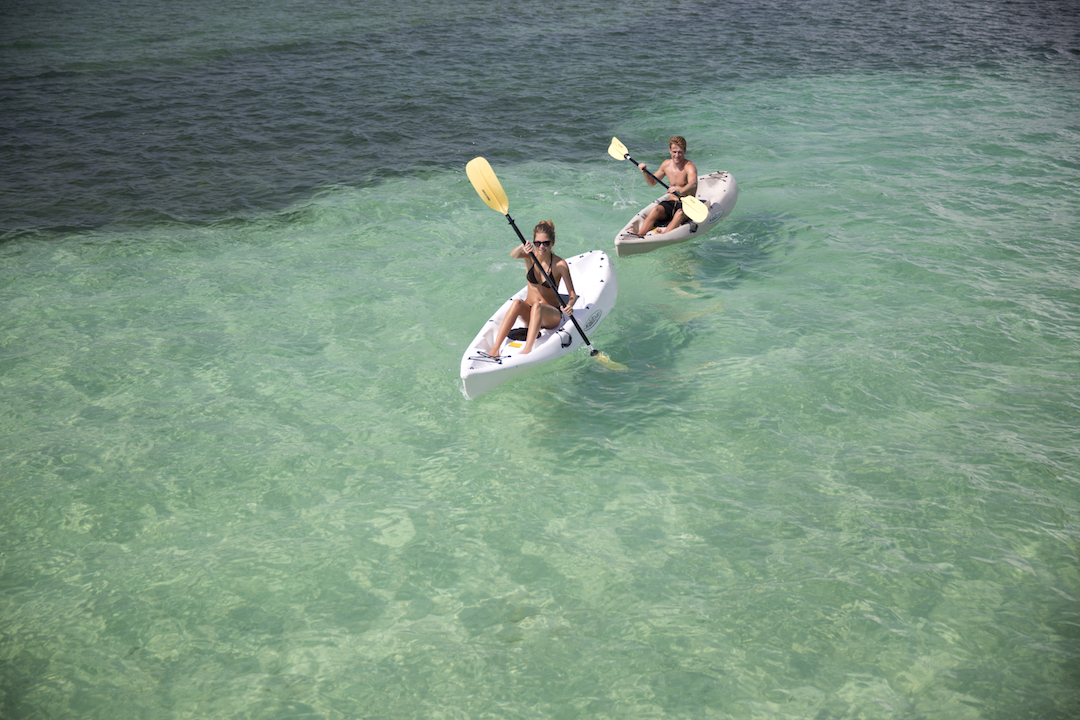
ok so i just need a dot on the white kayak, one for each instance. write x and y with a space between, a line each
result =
596 286
717 190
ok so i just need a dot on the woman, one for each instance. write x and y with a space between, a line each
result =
540 308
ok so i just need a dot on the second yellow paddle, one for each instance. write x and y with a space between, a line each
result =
694 208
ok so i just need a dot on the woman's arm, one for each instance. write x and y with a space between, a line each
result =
564 271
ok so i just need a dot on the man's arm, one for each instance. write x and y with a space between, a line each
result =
651 178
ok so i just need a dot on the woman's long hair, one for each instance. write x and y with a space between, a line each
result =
547 227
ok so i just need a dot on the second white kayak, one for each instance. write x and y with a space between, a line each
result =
717 190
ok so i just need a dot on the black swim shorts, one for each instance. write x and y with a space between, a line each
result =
670 206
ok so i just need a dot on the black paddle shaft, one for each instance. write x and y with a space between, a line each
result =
552 285
653 176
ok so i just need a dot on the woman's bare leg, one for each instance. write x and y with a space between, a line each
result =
542 315
517 309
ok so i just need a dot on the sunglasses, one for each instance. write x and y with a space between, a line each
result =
542 243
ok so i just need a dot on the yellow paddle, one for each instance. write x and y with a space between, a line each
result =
694 208
490 190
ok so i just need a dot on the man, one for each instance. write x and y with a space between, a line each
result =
682 180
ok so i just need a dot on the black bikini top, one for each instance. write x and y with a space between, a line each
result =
531 275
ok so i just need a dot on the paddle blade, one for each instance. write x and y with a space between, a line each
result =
695 209
487 185
617 150
609 363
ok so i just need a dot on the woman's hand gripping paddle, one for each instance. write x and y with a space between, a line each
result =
694 208
490 190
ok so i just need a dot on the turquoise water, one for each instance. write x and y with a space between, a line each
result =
838 479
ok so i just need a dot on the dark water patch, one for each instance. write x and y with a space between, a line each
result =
222 119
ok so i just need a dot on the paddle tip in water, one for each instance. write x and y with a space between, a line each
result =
608 362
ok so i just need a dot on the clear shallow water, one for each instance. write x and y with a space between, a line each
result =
839 478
